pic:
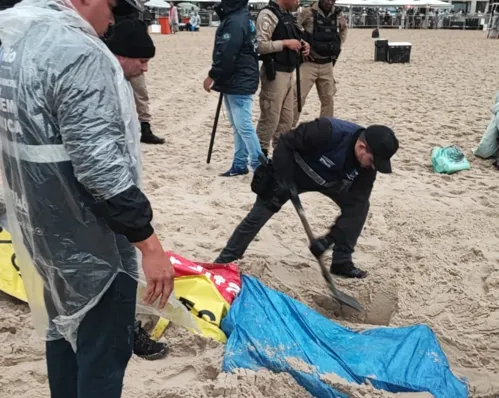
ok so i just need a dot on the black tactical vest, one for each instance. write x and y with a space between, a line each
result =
286 29
326 39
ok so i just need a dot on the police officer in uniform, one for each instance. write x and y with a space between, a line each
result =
334 157
325 29
279 44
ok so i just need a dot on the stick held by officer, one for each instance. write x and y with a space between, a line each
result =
280 46
337 158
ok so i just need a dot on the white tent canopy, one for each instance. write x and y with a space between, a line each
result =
157 4
219 1
394 3
366 3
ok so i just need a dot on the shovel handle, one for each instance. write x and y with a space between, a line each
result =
295 199
339 296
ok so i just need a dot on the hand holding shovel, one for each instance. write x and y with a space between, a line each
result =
341 297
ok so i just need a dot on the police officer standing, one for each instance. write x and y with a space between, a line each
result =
337 158
326 31
279 44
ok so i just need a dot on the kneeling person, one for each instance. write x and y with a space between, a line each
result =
336 158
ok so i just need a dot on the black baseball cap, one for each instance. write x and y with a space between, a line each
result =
383 144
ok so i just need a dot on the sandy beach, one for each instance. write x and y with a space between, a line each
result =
430 242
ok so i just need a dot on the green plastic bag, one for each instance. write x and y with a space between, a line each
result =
449 159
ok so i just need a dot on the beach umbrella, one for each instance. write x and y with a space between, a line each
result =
188 6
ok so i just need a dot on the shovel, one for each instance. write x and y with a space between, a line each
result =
341 297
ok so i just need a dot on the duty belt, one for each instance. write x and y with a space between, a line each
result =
322 61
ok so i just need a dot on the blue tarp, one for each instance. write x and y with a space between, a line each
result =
268 329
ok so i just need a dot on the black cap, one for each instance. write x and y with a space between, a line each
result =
126 7
130 39
383 144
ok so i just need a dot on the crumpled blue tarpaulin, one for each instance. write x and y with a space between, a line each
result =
268 329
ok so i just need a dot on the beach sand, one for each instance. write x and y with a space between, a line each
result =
429 244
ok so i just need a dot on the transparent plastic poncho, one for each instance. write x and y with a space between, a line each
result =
69 138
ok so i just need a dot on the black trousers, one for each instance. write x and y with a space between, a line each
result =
344 232
104 347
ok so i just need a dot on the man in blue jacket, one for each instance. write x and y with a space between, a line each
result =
234 73
334 157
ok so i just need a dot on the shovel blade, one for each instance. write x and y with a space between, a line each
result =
345 299
339 296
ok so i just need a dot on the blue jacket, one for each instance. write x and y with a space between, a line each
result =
326 145
336 160
235 56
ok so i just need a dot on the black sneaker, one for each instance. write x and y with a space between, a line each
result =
146 348
348 270
147 137
234 172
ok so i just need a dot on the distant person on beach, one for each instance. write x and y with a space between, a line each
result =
71 169
234 73
334 157
173 17
194 22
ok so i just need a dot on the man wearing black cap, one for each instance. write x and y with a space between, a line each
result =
334 157
127 12
133 47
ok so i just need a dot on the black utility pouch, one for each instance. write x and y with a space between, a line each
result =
263 182
270 71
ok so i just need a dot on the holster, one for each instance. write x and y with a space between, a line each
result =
263 182
270 70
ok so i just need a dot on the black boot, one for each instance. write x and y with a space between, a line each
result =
348 270
147 136
146 348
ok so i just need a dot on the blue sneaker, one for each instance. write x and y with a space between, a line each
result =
233 172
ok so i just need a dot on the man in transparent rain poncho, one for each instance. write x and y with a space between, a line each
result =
70 166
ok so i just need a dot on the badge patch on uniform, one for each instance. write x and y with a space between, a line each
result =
266 24
353 175
326 162
226 36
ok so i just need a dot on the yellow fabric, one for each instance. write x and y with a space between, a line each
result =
10 278
198 293
207 305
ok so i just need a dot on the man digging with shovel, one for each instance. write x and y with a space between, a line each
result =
334 157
